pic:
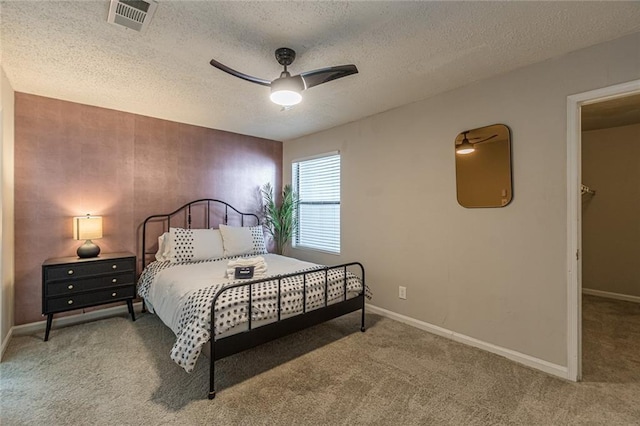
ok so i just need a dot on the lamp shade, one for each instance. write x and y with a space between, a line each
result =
87 227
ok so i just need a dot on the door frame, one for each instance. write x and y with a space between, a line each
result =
574 215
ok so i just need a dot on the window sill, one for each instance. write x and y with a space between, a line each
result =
315 250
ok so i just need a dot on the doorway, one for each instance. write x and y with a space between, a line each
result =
574 215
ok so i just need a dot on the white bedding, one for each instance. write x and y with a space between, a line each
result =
170 290
181 295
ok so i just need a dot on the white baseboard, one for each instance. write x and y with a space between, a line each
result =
610 295
40 326
529 361
5 343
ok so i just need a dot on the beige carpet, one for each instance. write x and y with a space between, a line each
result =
117 372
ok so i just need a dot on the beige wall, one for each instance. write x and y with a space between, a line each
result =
499 274
6 195
611 218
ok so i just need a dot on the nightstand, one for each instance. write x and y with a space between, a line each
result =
70 283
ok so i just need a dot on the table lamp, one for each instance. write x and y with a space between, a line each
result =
87 228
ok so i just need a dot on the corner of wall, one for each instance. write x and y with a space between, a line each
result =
7 136
4 343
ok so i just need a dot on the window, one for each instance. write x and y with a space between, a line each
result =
317 183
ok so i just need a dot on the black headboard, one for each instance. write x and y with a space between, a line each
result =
204 213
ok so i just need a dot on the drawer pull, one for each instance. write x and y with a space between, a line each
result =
114 294
115 280
114 267
70 286
70 272
70 302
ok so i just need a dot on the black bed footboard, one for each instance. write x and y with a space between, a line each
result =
305 318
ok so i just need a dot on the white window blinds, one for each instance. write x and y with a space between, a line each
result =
317 183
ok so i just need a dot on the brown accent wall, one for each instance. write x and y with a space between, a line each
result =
73 159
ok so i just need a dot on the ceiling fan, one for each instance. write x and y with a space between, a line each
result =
285 90
466 146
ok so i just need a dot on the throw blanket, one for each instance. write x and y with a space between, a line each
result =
259 270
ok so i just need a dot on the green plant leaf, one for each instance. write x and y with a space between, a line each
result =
280 221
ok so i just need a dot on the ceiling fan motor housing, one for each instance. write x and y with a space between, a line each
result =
285 56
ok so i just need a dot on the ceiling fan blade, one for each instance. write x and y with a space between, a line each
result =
486 139
324 75
238 74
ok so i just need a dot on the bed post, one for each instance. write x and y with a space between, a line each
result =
212 391
362 328
212 360
362 324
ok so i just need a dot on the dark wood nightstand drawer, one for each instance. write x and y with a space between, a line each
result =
59 304
89 269
81 285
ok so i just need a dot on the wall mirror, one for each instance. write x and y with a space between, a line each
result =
483 167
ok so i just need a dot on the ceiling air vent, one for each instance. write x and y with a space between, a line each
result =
132 14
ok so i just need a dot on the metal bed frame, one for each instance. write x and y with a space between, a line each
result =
252 337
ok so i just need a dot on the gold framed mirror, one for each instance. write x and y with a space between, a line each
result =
483 167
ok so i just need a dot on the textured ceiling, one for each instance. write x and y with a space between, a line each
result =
405 51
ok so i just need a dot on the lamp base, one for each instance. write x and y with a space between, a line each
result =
88 249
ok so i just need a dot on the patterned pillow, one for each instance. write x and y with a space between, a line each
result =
188 245
241 240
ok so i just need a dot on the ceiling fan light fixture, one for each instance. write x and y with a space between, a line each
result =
465 148
285 97
463 151
286 90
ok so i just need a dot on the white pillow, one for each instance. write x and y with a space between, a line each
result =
189 245
240 240
164 247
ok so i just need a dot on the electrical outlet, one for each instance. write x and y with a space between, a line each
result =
402 292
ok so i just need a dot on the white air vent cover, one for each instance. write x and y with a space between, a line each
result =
132 14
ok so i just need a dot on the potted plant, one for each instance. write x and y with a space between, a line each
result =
280 221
